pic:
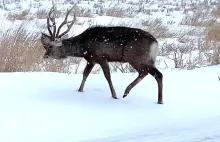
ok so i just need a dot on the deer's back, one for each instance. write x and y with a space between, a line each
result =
116 43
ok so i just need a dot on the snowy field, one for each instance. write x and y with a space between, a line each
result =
46 107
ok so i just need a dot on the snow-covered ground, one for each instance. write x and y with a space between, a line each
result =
46 107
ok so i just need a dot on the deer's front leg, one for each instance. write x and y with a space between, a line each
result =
105 67
86 73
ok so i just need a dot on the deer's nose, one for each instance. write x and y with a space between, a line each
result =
45 56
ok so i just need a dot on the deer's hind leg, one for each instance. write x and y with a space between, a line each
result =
142 72
159 78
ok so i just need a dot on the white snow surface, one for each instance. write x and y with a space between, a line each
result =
46 107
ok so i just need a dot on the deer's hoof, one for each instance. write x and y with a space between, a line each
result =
125 95
80 90
160 102
114 97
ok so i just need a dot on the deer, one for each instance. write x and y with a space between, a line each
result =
102 45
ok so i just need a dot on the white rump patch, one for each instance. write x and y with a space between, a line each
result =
153 51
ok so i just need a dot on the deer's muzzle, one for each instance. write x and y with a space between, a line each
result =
46 56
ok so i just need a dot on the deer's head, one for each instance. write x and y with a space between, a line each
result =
53 43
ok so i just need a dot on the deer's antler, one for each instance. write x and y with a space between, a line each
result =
66 22
51 17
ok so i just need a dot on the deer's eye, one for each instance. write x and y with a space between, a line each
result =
47 46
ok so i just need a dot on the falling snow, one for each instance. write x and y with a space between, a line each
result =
85 52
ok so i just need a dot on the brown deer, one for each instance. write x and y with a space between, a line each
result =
101 44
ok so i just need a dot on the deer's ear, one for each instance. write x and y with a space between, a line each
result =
65 36
45 39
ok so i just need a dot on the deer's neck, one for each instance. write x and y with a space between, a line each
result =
73 47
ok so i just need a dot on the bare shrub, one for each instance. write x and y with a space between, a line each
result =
115 12
195 31
82 12
41 13
193 21
179 53
122 67
75 62
133 2
191 53
154 10
196 59
157 28
59 13
20 16
198 18
87 13
177 8
96 69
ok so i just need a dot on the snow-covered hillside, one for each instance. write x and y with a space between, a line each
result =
47 107
169 12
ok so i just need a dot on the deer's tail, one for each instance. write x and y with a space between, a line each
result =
154 51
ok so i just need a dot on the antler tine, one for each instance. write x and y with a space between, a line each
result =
48 22
52 19
66 22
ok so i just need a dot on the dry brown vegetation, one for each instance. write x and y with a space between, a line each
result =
213 32
20 16
216 11
115 12
22 51
213 40
19 50
212 37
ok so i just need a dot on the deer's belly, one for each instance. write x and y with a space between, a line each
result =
110 53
